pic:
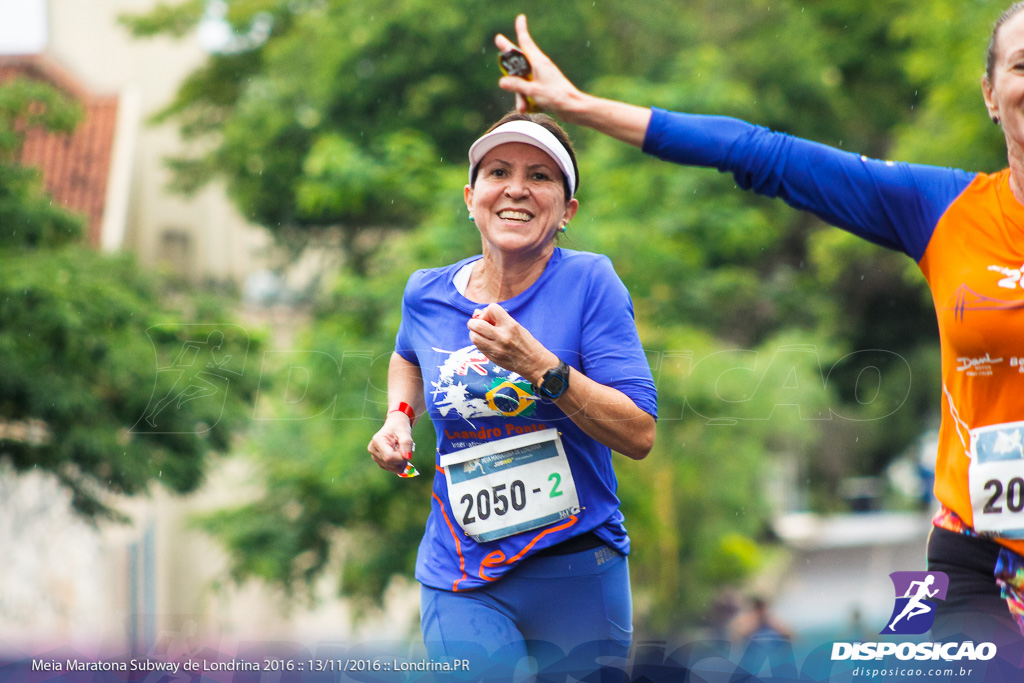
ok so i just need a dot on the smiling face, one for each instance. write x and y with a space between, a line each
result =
1003 87
518 200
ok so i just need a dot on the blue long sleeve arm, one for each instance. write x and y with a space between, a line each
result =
893 204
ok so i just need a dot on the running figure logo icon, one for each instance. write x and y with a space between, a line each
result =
914 611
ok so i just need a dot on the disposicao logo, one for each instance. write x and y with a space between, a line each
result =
914 611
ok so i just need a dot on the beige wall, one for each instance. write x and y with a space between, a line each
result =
157 585
201 236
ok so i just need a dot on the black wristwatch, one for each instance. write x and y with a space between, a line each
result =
555 381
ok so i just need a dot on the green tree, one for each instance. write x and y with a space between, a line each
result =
86 354
353 119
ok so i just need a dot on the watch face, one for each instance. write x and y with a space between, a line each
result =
555 381
553 386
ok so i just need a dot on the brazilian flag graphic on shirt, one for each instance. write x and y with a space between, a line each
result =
471 386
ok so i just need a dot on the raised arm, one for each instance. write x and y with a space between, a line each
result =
554 93
895 205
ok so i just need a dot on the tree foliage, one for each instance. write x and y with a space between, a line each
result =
85 345
762 327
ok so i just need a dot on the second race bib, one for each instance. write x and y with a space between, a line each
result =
996 479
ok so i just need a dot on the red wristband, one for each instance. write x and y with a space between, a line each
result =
404 407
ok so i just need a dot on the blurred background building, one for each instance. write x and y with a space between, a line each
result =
82 49
154 584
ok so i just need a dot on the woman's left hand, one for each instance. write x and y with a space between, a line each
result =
508 344
604 414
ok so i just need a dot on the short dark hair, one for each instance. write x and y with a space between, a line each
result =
990 55
552 126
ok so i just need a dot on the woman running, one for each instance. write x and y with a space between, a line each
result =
528 361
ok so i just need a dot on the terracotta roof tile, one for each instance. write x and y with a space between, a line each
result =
75 167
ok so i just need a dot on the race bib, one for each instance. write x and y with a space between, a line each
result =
996 479
511 485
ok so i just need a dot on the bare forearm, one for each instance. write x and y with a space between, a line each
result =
603 413
625 122
609 416
391 447
405 384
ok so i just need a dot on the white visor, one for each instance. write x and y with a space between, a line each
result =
532 134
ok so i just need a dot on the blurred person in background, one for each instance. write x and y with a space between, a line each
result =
763 641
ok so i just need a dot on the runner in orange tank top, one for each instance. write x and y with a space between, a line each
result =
965 231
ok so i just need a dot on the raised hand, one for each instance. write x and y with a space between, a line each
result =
552 92
549 89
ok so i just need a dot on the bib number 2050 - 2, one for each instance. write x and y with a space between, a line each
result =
512 485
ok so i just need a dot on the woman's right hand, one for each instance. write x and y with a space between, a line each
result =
550 89
391 447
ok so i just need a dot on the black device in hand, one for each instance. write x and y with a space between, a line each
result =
514 63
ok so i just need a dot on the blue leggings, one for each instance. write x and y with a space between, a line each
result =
570 614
